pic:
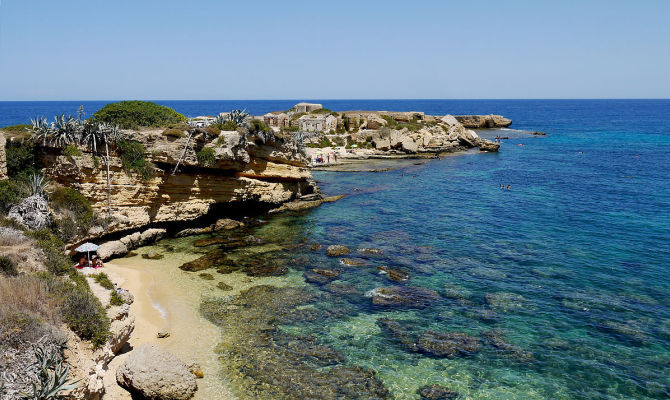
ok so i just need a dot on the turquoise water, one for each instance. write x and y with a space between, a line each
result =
562 280
568 268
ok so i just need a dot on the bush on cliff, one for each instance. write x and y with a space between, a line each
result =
173 133
70 200
226 125
206 157
18 132
21 160
11 193
133 158
133 114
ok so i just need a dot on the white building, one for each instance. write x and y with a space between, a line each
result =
317 123
306 107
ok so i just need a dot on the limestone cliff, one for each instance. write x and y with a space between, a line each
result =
484 121
250 172
3 158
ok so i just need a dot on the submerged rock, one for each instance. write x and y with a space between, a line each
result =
343 289
209 260
152 256
321 276
353 262
630 331
496 339
315 247
399 333
394 274
369 251
155 374
403 296
448 344
436 392
227 224
337 250
224 286
208 242
206 276
505 301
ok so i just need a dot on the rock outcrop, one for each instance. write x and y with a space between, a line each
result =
3 157
483 121
119 248
156 374
32 213
249 173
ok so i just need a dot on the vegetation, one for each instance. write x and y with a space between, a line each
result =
213 131
239 117
84 314
206 157
291 129
50 384
227 126
324 142
78 214
17 132
21 160
37 185
8 266
103 280
256 125
115 299
173 133
323 111
339 141
133 114
296 116
133 158
11 193
71 151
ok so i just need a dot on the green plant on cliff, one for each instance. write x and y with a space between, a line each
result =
206 157
133 158
18 132
173 133
21 160
11 193
67 199
132 114
71 151
224 124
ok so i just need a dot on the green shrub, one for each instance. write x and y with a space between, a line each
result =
339 140
84 314
297 115
8 266
103 280
206 157
131 114
11 193
21 160
174 133
18 132
256 125
323 143
227 125
67 198
115 299
291 129
133 158
54 259
213 130
322 111
71 151
65 228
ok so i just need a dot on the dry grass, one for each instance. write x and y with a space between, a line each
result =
11 237
26 310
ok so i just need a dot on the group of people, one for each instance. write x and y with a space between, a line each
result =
320 159
94 263
508 187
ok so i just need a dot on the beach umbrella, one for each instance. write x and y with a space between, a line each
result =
87 247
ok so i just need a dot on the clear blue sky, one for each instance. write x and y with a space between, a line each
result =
252 49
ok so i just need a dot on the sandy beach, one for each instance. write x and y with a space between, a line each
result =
167 300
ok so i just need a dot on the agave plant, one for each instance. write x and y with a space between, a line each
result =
50 385
239 117
41 129
37 185
66 130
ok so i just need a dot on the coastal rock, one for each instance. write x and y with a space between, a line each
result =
436 392
394 274
487 145
448 344
127 297
399 333
224 286
32 213
163 333
337 250
403 296
206 276
315 247
151 235
321 276
483 121
196 370
3 157
112 249
450 120
209 260
155 374
368 251
343 289
226 224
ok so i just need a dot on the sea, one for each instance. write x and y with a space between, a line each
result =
560 284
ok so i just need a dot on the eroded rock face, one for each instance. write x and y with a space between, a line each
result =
156 374
32 213
3 157
484 121
249 172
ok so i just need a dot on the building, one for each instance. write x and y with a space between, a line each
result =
277 119
317 123
306 107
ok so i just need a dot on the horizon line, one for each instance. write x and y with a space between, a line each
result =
357 99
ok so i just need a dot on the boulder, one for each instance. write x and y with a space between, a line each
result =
436 392
108 250
376 122
353 262
408 145
487 145
224 286
226 224
484 121
152 256
450 120
382 144
156 374
206 276
321 276
394 274
151 235
448 344
403 296
32 213
369 251
337 250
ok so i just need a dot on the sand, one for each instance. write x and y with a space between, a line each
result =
166 299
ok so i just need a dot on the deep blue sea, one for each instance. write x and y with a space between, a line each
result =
568 270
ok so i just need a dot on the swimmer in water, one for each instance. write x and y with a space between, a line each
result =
509 187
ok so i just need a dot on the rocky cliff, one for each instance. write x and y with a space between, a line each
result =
3 158
249 172
484 121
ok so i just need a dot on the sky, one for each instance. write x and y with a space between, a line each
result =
365 49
